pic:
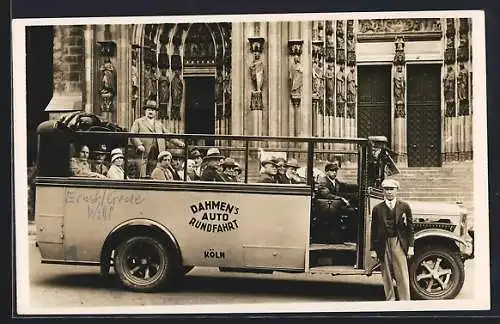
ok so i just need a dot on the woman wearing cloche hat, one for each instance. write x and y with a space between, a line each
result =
116 169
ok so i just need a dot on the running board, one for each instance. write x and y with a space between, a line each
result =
340 270
333 247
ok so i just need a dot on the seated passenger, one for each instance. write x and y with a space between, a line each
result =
162 170
116 171
229 172
238 173
197 157
177 164
280 176
99 164
190 169
291 176
80 166
329 186
212 165
269 174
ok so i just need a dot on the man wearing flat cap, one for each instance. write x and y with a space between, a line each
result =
99 164
392 240
329 186
197 157
212 165
269 174
149 148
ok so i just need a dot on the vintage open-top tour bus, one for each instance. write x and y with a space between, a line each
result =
153 232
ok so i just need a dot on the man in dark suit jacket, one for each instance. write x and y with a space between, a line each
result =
269 174
392 240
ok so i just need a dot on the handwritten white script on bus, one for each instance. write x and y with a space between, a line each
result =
214 216
101 203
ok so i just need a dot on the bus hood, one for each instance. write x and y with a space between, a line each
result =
436 208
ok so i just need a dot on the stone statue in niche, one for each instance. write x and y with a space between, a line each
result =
134 80
449 85
177 90
340 89
108 85
148 82
463 83
296 73
317 86
399 86
163 94
330 88
351 85
257 76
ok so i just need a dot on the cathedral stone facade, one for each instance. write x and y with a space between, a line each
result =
407 79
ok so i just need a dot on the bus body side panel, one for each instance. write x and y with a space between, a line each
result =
230 229
49 216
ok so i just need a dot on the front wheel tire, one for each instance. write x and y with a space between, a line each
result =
144 263
436 272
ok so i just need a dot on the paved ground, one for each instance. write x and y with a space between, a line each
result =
76 286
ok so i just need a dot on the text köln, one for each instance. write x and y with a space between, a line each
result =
214 216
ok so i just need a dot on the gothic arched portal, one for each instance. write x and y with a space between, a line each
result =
187 69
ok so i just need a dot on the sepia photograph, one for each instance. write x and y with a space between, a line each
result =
279 163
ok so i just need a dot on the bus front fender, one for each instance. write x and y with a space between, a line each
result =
128 227
439 234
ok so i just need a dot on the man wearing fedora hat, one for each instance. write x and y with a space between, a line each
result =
291 176
212 165
229 170
392 240
150 147
269 174
197 157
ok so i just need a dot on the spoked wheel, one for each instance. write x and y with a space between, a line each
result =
436 272
143 263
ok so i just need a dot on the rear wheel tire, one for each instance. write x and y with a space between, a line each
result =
436 272
144 263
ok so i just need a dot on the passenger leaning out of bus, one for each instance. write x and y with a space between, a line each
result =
116 170
149 148
162 170
196 156
269 174
211 165
291 177
80 166
177 164
99 164
229 170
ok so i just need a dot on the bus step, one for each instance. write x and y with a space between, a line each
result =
333 247
336 270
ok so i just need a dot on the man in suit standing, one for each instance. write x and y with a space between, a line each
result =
149 148
392 240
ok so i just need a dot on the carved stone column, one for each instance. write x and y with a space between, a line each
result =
351 86
274 78
449 91
123 71
89 67
329 81
237 79
177 88
68 88
464 90
318 86
399 101
306 116
135 85
340 84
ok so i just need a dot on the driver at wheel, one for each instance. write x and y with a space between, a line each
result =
329 186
